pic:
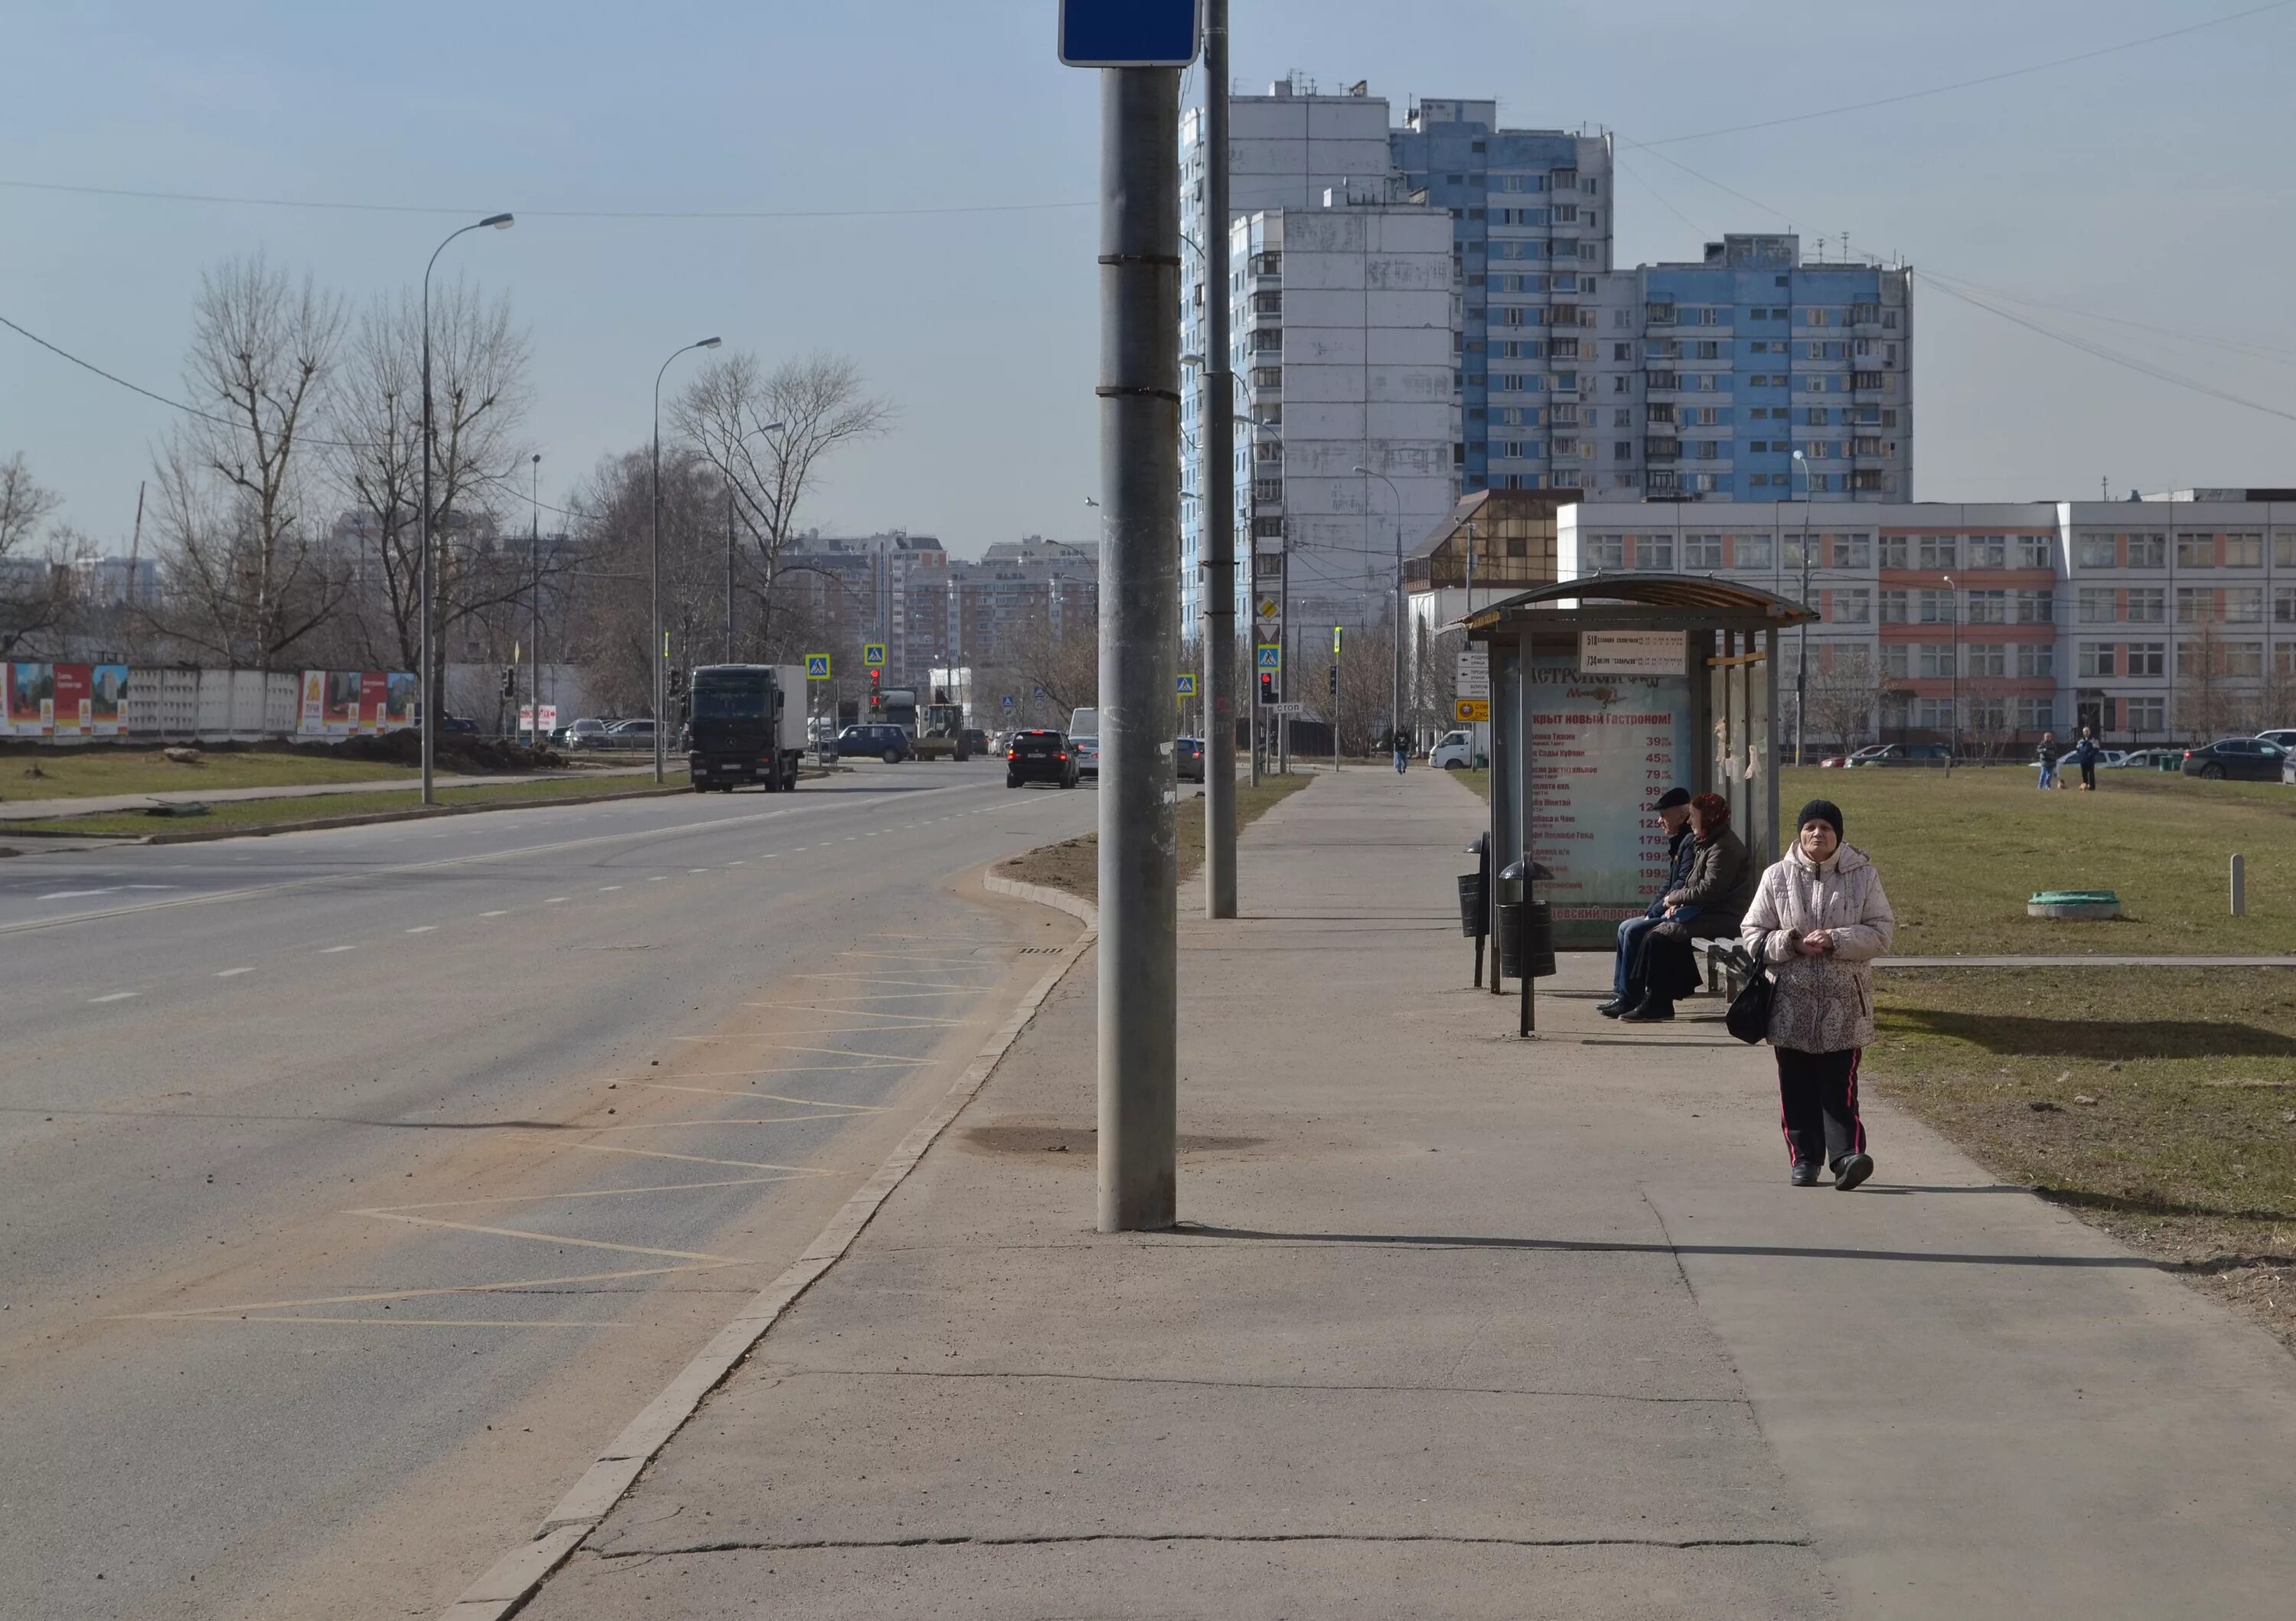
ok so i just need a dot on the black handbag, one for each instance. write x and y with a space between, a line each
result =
1749 1018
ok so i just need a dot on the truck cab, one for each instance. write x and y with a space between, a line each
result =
745 722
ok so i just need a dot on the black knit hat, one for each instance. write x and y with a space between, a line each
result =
1670 799
1820 810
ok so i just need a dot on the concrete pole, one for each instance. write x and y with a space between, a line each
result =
2239 885
1217 581
1139 656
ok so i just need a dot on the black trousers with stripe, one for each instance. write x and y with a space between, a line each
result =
1817 1105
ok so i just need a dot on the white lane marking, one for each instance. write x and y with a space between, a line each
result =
227 973
739 861
332 950
425 928
114 996
778 1097
697 869
608 889
556 900
658 878
494 914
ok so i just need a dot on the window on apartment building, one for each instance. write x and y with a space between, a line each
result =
1752 550
1933 606
1896 551
1622 416
2148 552
2196 604
2035 714
1894 607
2146 715
2037 659
2244 605
1984 607
2035 551
2284 604
1816 416
1622 317
2196 551
1654 552
2091 551
1988 551
1853 552
1937 552
2033 607
2284 549
1850 606
2243 551
1662 480
1814 385
1702 552
2097 659
2283 658
1985 658
1622 450
1605 551
2148 607
1658 315
1896 659
1933 659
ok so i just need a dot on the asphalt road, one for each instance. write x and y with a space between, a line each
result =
358 1185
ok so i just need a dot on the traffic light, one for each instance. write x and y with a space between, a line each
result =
1335 681
676 684
510 681
876 699
1266 687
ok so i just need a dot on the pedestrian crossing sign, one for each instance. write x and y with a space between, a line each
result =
873 655
817 666
1271 655
1187 686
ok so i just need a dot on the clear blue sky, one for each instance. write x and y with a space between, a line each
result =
2148 185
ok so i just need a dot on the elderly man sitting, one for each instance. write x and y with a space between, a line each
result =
1673 812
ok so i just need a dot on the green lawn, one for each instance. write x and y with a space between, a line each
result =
252 814
1960 855
1073 865
2186 1146
78 773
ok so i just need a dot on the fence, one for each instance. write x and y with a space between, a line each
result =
76 703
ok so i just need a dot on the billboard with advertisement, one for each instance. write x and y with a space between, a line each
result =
311 717
340 714
399 701
108 700
343 703
1602 747
74 705
373 699
31 699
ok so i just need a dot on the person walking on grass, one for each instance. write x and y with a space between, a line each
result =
2047 755
2085 754
1818 920
1705 906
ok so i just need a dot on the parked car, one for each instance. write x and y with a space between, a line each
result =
2111 759
2242 759
1086 751
629 734
1904 754
2285 736
588 732
1864 757
973 740
889 743
1191 757
1453 752
2151 759
1040 756
458 726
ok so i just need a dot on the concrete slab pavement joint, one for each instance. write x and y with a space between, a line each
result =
512 1580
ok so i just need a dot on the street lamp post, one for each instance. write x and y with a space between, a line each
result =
656 654
1952 612
534 566
1394 704
1801 655
431 682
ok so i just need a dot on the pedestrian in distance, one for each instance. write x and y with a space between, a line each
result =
2047 755
1672 809
1707 907
1402 753
1818 920
2085 753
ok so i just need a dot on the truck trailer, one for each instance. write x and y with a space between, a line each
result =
745 722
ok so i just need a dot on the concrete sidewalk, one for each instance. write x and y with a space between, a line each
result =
91 805
1459 1325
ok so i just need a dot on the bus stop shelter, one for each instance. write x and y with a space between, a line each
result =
1604 693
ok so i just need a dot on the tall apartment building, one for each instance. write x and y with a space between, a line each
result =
1020 591
2150 621
1749 376
1342 324
891 587
1534 203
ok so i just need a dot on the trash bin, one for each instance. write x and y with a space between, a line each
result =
1474 914
1516 915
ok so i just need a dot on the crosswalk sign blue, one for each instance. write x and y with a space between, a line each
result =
817 666
872 654
1271 655
1187 686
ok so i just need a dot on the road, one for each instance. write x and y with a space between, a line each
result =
360 1184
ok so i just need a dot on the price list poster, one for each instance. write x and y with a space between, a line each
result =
1602 747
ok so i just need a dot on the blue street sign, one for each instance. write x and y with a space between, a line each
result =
1187 686
1271 655
1130 32
1008 701
817 666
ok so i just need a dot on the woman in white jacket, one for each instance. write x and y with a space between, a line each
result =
1819 919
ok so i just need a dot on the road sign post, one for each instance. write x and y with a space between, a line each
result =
873 655
817 666
1140 46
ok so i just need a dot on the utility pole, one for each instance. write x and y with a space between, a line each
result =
1139 48
1335 700
1218 580
729 570
534 566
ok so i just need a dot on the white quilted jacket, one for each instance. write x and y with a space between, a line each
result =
1822 1005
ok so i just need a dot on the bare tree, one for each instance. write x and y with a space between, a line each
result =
248 576
767 435
611 622
1844 696
34 589
1064 665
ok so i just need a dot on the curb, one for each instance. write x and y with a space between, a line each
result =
514 1578
366 819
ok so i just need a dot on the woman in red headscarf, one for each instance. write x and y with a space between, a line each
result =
1707 906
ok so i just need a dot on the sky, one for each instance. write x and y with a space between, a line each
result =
2136 202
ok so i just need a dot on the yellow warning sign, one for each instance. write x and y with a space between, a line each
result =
1466 709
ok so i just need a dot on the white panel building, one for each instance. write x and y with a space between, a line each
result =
1343 323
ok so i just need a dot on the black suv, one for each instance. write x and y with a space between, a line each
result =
890 744
1040 756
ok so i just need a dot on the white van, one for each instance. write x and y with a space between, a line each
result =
1084 723
1455 751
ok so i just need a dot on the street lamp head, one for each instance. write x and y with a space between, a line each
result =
709 343
1191 358
500 222
1364 471
1797 455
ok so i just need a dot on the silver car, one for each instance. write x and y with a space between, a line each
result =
1088 752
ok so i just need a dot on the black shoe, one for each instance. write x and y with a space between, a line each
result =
1612 1008
1652 1009
1850 1170
1805 1174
